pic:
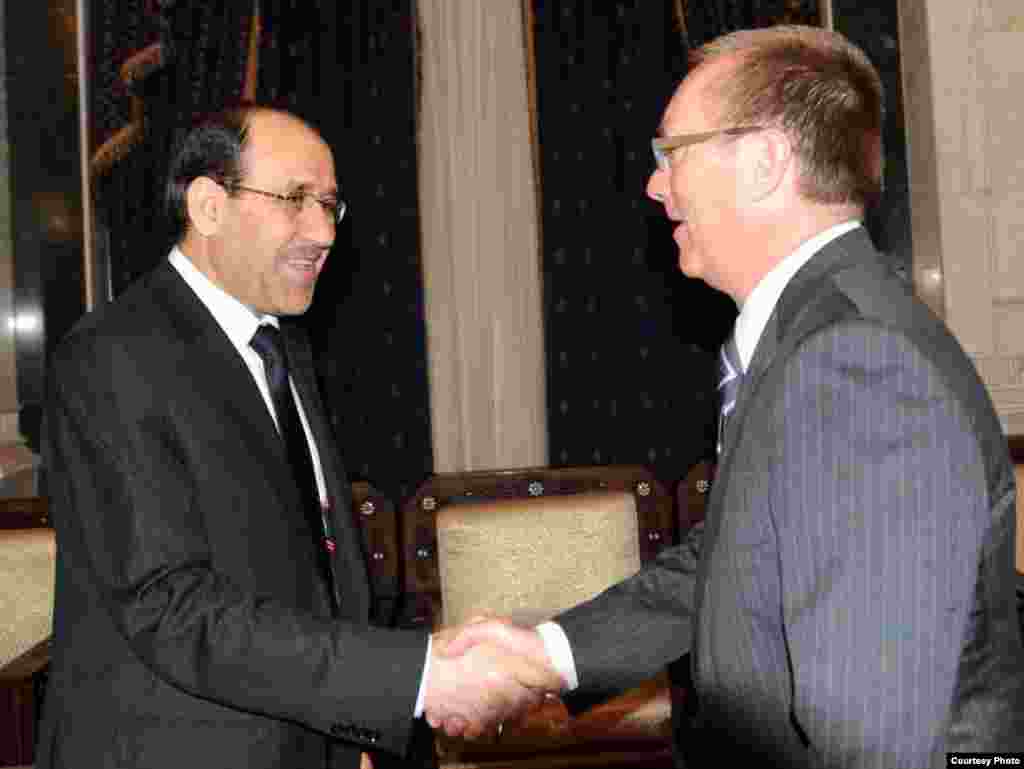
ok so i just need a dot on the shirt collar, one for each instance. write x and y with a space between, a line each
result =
237 320
761 303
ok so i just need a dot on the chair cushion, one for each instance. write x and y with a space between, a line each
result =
532 558
27 558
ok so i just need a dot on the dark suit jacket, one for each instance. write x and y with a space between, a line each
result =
192 626
849 599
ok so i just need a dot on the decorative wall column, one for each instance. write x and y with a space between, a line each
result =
478 207
962 71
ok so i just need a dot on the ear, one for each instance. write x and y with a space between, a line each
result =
766 160
205 200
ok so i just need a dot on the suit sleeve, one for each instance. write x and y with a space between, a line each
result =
632 630
130 516
880 503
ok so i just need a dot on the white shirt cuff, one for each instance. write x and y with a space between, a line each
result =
418 710
560 653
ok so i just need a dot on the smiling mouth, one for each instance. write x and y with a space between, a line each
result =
305 267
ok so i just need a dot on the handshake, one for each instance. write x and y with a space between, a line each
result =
484 673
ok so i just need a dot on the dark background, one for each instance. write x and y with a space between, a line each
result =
630 342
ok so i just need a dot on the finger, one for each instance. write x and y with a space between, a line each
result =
473 730
460 640
534 697
469 635
441 640
527 673
511 683
454 726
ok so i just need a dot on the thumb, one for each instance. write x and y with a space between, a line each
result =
532 675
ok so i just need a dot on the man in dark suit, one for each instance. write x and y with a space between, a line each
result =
849 598
212 602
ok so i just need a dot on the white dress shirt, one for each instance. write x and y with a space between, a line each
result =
754 312
750 324
240 323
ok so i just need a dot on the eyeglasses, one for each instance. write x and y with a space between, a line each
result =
664 146
297 201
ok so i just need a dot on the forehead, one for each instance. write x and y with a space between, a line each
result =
283 149
692 107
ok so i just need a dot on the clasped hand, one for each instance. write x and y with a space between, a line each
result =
484 673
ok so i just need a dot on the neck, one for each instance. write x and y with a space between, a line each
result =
773 240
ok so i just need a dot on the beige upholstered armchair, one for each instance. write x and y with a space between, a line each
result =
530 543
27 557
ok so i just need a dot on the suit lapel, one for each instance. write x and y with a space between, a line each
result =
764 353
792 318
208 349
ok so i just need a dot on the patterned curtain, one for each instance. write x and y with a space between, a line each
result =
629 377
154 63
631 343
707 19
874 27
349 68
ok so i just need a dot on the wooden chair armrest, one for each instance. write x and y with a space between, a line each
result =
20 703
26 665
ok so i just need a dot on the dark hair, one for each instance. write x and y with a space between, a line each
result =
212 147
820 89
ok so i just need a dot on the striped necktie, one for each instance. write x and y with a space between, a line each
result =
731 372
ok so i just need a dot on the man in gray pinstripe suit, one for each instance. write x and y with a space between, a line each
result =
849 599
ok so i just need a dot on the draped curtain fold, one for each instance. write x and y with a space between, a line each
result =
482 277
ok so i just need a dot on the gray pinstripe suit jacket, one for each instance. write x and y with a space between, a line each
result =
849 600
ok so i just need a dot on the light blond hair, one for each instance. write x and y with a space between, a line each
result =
820 89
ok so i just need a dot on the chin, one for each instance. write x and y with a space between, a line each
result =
689 266
294 306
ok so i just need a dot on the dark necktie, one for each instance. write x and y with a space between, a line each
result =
730 373
268 343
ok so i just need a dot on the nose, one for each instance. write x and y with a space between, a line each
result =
316 223
657 185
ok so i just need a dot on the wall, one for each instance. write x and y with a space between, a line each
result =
963 72
8 383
